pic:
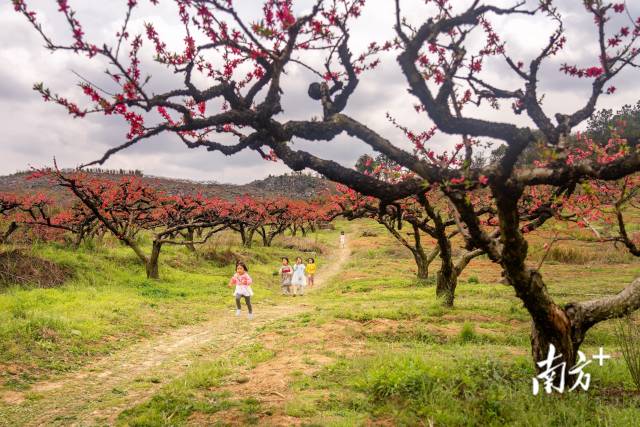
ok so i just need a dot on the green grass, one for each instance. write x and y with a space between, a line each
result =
455 388
423 363
179 399
469 365
400 358
109 303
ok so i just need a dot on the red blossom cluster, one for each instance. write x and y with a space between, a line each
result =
272 217
616 47
128 206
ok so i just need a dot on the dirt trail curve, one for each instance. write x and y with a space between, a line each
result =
97 393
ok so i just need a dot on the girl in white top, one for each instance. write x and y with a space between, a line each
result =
342 239
299 280
242 282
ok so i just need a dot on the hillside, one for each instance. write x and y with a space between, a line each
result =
294 185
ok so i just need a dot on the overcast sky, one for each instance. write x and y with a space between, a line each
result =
34 132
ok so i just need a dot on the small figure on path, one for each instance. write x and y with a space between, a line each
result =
285 276
242 282
343 239
311 271
298 280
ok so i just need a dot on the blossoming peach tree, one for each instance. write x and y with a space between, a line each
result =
231 98
426 214
126 207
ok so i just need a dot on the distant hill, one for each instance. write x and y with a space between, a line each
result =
295 185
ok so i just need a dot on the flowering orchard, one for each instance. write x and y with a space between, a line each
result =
429 214
444 55
128 206
78 220
425 214
272 217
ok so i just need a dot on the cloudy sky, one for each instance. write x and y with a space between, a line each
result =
34 132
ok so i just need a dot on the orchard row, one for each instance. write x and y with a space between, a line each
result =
128 206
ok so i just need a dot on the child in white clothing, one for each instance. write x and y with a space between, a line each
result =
299 280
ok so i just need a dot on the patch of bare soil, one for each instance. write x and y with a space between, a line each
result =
13 397
619 396
97 393
472 317
17 267
303 353
14 372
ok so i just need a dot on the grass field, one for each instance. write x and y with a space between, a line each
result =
109 304
370 346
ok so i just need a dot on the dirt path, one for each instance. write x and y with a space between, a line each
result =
97 393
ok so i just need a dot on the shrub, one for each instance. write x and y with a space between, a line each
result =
568 255
222 258
17 267
581 255
485 373
468 333
473 280
405 377
628 337
301 244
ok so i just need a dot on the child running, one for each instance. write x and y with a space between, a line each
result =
285 276
298 280
242 282
311 271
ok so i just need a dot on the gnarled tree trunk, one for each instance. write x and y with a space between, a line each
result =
423 268
423 261
447 278
268 240
247 242
566 327
266 236
152 263
551 324
188 237
246 235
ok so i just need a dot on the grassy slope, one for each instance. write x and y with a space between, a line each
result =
469 365
401 359
377 347
109 304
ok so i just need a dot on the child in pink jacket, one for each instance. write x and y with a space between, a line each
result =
242 282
